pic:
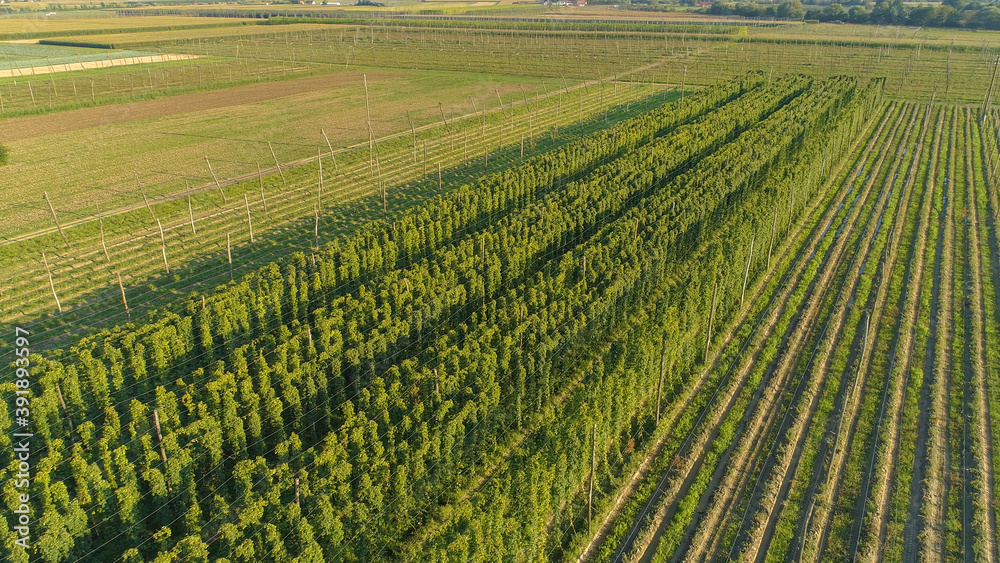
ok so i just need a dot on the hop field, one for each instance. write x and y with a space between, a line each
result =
390 289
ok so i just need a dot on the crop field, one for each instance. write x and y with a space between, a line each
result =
641 288
850 416
232 129
22 55
196 225
126 39
27 28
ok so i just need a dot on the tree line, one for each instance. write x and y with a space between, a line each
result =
949 13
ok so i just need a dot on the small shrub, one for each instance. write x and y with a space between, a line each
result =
3 155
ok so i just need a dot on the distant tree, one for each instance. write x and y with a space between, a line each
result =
923 16
986 18
950 17
858 14
834 11
4 155
887 13
791 10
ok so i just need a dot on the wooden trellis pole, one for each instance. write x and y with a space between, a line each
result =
746 274
52 286
440 184
711 319
217 184
190 210
276 163
774 223
142 191
260 180
62 403
100 219
246 201
45 195
413 134
122 289
791 201
381 186
159 435
475 109
333 156
229 256
445 119
319 187
163 246
371 135
499 99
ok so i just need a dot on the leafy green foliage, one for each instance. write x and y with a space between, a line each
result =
401 392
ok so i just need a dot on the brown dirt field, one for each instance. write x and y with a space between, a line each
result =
38 125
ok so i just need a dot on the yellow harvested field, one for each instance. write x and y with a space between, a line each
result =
88 65
61 25
120 40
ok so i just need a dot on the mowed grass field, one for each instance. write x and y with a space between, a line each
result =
165 142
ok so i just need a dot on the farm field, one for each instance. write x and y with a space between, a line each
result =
230 127
448 282
866 359
124 38
27 28
21 55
